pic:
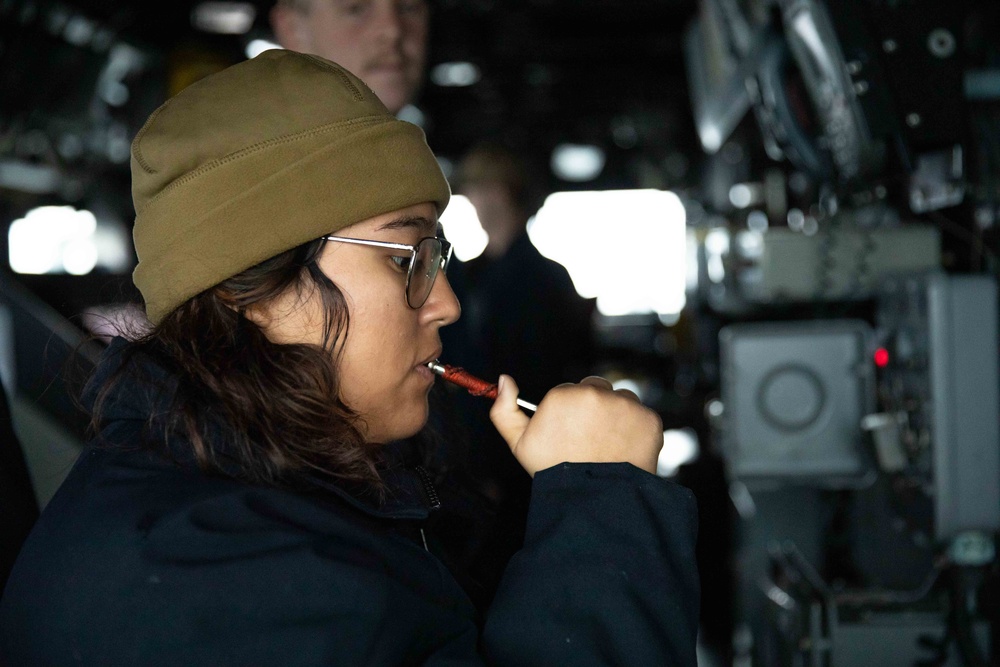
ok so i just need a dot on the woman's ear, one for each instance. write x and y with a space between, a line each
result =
294 316
260 313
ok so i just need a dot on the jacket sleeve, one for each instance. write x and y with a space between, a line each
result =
607 574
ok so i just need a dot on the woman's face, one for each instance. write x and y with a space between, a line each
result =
382 360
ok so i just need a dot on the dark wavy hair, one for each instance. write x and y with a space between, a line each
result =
250 408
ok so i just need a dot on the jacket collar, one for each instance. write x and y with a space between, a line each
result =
147 388
407 495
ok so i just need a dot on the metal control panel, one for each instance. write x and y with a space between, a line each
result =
938 387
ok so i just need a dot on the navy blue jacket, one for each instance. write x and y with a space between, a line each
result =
142 559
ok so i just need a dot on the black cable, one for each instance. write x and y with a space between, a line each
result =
960 620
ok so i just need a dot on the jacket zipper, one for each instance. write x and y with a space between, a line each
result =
429 490
432 498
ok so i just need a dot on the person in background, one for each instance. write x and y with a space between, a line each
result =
522 316
382 42
237 504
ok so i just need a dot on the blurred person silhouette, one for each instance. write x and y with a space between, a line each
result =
522 309
382 42
522 316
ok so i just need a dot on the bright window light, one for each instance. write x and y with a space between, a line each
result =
577 162
461 225
61 239
255 47
630 384
716 249
412 114
455 74
626 247
224 18
80 257
680 446
711 138
692 261
743 195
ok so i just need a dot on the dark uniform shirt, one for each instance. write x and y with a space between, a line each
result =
521 316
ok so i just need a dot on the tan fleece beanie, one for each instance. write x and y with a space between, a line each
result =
258 159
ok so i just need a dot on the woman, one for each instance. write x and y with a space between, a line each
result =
239 506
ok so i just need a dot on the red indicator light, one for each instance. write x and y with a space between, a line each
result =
881 357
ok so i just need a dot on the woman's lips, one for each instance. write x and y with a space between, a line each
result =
425 373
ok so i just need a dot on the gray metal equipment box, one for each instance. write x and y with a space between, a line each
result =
794 394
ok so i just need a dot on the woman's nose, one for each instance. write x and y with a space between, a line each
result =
388 23
442 306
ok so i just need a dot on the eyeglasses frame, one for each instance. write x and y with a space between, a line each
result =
446 253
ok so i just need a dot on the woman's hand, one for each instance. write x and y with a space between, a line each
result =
587 422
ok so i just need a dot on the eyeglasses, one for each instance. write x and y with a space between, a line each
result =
430 256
